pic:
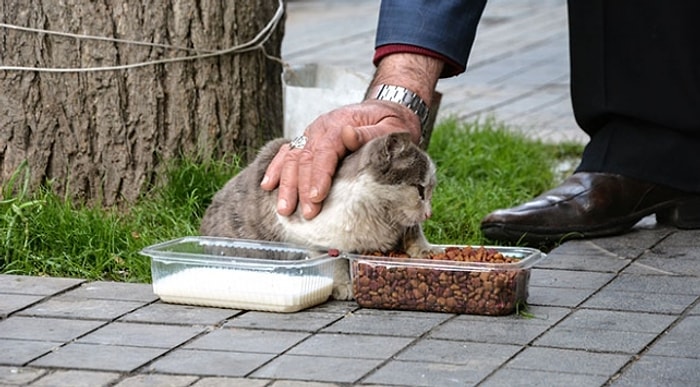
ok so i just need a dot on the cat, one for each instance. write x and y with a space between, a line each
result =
380 196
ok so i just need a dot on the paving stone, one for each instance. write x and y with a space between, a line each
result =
176 314
596 340
680 341
617 321
568 361
20 352
40 286
419 373
649 266
672 260
534 314
156 380
510 329
308 321
631 301
228 382
297 383
569 279
15 376
560 297
69 306
662 371
212 363
465 353
695 310
10 303
99 357
516 378
335 307
650 284
142 335
494 331
76 379
624 381
248 340
580 248
685 238
315 368
115 291
645 235
584 256
351 346
45 329
388 323
606 331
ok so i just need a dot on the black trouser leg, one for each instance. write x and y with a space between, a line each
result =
635 85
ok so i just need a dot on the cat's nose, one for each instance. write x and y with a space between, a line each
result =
428 214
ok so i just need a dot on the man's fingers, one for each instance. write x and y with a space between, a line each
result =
321 175
288 182
274 170
356 137
315 177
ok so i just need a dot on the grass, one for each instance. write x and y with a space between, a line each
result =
480 168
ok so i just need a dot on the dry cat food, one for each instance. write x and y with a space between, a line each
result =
442 282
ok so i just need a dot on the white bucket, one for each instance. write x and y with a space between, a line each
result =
313 89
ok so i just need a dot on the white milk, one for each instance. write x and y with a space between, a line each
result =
249 290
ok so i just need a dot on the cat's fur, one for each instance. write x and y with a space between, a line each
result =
379 198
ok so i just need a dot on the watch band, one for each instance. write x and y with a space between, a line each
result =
405 97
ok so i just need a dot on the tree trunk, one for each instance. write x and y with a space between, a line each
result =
103 136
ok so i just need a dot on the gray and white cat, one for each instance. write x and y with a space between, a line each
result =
379 197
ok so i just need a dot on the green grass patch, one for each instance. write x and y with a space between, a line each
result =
480 168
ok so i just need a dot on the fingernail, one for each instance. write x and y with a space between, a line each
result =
314 193
265 180
307 210
282 205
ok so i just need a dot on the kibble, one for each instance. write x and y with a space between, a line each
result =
485 292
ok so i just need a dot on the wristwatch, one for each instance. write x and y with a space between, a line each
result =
405 97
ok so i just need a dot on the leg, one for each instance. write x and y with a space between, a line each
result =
635 86
635 77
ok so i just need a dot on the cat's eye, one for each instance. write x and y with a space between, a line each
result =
421 191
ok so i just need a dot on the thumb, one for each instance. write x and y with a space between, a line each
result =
356 137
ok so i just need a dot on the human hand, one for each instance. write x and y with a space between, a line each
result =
304 176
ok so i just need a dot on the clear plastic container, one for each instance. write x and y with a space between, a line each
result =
438 285
240 274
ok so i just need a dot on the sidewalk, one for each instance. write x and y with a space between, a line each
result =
619 311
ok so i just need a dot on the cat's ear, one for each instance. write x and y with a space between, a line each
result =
396 143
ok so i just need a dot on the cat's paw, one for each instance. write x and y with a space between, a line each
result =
342 291
422 251
342 284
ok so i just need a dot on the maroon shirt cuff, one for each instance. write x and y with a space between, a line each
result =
451 68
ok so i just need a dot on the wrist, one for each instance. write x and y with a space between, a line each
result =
404 97
415 72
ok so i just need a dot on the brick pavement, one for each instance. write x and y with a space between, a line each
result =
619 311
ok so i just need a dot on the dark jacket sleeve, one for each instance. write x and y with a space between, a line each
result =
447 27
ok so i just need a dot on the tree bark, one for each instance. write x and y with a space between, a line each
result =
103 136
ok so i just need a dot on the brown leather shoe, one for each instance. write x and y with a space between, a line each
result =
588 205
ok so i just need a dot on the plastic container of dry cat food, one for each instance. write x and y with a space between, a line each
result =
461 279
240 274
